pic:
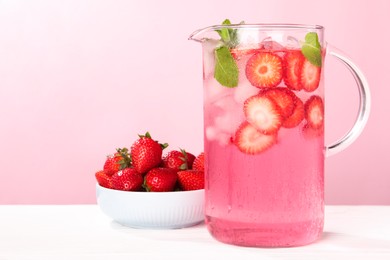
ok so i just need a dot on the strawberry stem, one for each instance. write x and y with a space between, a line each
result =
125 160
147 135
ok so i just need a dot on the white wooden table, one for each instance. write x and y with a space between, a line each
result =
84 232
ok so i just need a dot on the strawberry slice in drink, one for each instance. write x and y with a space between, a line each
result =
297 115
264 70
263 113
240 52
284 98
310 76
292 65
250 141
314 112
311 133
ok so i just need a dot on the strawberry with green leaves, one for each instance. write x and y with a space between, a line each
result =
178 160
146 153
118 161
160 180
191 180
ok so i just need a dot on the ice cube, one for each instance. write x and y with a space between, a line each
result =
209 58
270 44
229 121
211 133
214 134
213 91
224 138
227 102
244 91
292 42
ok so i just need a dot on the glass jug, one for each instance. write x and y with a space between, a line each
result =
264 131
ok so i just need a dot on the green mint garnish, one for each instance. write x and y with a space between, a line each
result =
311 49
225 32
226 70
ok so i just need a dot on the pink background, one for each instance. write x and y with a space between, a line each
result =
80 78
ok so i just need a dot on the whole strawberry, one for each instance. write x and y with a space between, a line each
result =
160 179
146 153
178 160
103 179
191 180
117 161
127 179
199 162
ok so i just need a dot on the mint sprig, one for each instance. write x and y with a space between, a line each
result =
226 69
311 49
228 35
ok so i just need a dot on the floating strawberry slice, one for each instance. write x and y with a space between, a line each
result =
263 113
310 76
238 52
292 64
264 70
311 133
250 141
297 115
284 98
314 112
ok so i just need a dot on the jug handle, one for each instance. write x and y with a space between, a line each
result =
364 104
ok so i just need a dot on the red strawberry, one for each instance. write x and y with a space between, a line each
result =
263 113
292 65
198 164
103 179
146 153
284 98
297 115
314 112
160 179
178 160
117 161
249 140
310 76
127 179
191 180
264 70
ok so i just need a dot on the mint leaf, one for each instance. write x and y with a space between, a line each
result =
311 49
225 32
226 70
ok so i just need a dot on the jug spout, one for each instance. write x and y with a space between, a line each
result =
199 35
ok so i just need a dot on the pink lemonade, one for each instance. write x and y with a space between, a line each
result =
264 148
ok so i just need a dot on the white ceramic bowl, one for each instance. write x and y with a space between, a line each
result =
152 210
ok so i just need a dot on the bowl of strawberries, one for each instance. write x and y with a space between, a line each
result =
146 187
